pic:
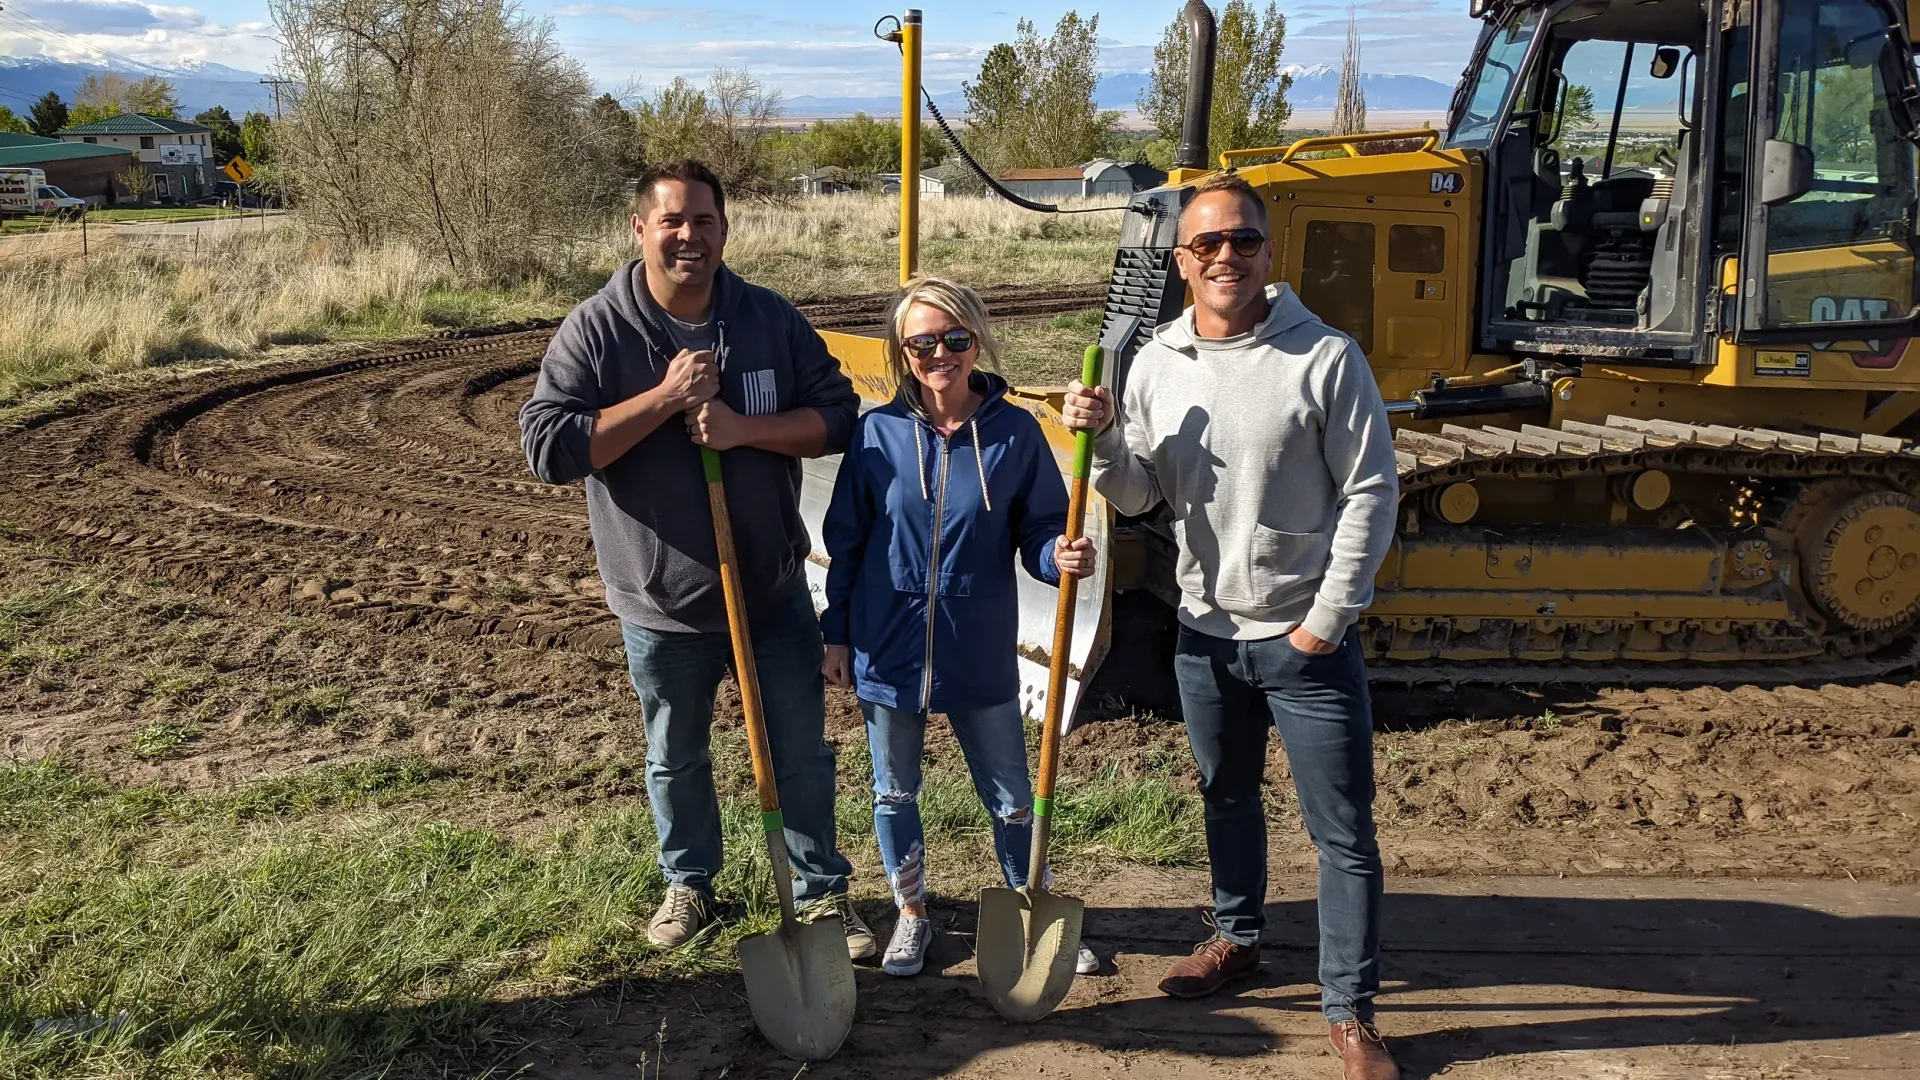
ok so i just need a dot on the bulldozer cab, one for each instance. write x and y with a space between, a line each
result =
1663 171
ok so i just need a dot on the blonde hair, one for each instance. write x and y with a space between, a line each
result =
962 303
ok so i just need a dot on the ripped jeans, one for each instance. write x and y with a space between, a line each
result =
995 745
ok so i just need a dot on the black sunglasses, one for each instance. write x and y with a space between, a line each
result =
957 340
1246 243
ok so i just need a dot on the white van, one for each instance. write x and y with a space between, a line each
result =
26 191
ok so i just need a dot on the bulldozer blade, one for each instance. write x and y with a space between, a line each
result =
800 986
1026 946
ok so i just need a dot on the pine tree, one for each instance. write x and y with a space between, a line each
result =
1032 106
49 115
1350 103
996 107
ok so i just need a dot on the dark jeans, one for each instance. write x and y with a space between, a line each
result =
1232 692
676 676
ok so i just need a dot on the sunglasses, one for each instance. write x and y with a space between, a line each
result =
957 340
1246 243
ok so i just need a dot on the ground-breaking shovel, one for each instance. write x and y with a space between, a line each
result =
799 978
1029 939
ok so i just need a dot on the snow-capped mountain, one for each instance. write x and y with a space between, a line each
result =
199 84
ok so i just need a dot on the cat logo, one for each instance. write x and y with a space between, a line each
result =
1447 183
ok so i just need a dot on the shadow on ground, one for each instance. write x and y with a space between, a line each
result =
1470 977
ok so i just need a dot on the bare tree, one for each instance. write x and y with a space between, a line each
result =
1350 104
729 126
456 124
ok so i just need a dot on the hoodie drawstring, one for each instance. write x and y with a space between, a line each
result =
920 453
980 461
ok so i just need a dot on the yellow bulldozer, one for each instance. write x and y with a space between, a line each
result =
1644 314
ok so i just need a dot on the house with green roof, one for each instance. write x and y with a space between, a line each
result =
82 170
178 155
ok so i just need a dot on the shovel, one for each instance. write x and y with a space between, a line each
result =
1029 939
799 978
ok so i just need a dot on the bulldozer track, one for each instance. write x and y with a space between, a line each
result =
1624 446
384 485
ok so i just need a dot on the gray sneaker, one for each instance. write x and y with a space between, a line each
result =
907 952
861 944
682 915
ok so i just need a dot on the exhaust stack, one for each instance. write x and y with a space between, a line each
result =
1192 152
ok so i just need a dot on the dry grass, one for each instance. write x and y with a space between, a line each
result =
851 244
71 319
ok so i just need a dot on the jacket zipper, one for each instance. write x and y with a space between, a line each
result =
933 571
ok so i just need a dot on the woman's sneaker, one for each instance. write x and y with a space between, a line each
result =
907 952
1087 964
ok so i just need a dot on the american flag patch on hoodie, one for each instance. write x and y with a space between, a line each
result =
759 392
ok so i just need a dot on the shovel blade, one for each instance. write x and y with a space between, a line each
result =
800 985
1025 948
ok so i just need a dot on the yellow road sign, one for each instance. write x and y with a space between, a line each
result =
238 170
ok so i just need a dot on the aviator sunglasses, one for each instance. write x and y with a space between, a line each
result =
957 340
1246 243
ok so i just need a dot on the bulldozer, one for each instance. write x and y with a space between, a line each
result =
1644 314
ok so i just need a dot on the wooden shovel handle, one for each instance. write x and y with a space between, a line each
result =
1062 633
743 668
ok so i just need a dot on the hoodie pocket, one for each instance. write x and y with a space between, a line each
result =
1278 563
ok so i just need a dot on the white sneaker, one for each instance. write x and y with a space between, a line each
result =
907 952
1087 964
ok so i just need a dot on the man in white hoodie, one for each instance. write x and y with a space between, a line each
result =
1262 430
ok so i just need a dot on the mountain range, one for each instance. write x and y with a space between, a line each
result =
198 84
1313 88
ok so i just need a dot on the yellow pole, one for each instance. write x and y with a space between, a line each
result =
909 145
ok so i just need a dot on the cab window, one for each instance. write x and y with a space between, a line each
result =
1498 71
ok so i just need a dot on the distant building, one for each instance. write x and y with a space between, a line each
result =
1041 185
939 181
1101 177
1105 177
178 155
80 170
831 180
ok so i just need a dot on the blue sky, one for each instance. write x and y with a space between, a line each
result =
803 47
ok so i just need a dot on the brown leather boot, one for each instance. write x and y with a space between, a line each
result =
1214 963
1362 1051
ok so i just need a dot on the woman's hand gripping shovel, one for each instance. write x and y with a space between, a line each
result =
1029 939
799 978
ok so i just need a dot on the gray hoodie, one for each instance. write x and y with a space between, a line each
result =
652 529
1273 453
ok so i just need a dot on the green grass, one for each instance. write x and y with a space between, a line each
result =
1047 353
160 739
330 922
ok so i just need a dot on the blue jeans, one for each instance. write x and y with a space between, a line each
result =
995 746
676 676
1231 693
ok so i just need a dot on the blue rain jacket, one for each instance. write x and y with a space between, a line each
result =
939 640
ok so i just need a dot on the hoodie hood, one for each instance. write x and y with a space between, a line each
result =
1284 312
627 291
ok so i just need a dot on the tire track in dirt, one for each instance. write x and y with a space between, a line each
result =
386 486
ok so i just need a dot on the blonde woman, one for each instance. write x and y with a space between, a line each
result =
941 491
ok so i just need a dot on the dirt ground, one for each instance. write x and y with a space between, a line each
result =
1714 882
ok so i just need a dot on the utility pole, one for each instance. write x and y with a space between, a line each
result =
275 85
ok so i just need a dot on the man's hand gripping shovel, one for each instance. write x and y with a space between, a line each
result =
1029 939
799 978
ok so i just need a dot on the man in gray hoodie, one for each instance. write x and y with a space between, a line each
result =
1261 429
675 353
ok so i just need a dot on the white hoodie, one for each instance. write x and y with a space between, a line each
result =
1273 452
